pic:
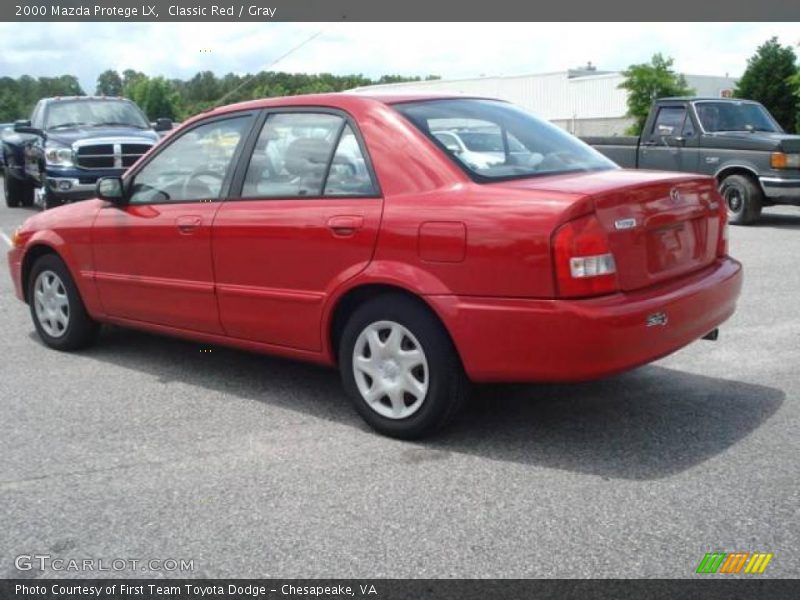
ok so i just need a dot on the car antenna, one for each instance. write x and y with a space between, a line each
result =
269 66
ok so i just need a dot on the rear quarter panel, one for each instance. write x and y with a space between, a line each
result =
505 250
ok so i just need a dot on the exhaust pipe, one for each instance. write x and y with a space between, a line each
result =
712 335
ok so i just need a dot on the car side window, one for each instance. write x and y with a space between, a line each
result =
306 155
193 166
688 127
349 174
291 155
669 121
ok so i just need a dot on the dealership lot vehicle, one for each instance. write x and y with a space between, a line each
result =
5 129
338 229
755 162
58 155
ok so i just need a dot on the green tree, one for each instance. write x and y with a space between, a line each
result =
109 83
768 79
10 106
794 80
647 81
156 97
129 79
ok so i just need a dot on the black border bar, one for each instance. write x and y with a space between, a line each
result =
399 10
711 588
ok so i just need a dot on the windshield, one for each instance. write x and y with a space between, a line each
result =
499 140
735 116
76 113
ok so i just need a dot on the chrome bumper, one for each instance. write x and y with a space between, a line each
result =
781 188
67 186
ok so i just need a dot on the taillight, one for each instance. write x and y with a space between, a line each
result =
584 264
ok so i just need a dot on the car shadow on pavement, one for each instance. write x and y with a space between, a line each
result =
649 423
778 220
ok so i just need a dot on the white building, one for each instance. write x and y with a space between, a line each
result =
583 101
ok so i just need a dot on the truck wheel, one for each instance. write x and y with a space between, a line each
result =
56 307
400 368
17 193
49 200
743 198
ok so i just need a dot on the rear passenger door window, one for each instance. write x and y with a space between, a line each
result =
349 173
307 154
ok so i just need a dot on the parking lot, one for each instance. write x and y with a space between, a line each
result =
249 465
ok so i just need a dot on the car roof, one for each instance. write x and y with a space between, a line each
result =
83 98
340 100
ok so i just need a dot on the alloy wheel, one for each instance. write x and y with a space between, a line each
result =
51 303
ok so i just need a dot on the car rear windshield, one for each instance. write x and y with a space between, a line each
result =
89 113
494 140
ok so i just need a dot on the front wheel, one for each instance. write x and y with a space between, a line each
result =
400 368
743 198
16 191
56 307
49 200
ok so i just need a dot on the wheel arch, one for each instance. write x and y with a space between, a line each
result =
32 254
348 301
738 169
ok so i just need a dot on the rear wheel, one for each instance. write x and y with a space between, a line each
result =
400 368
17 192
743 198
56 307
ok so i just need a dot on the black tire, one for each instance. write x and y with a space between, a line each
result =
49 200
17 192
447 385
743 197
81 330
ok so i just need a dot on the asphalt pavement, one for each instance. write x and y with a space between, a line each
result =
145 447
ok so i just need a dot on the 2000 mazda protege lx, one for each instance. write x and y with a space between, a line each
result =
417 242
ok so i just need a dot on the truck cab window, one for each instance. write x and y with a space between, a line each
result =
669 121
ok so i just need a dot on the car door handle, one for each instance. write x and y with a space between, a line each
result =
188 224
345 225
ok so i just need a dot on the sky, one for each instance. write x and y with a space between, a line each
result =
451 50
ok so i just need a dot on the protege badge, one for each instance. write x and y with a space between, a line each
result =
625 223
659 318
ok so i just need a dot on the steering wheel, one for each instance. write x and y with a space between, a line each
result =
193 180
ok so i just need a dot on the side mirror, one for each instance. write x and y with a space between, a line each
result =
111 189
24 126
162 124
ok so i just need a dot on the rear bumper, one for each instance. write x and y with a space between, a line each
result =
501 339
782 188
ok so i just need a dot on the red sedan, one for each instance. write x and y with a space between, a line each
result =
416 242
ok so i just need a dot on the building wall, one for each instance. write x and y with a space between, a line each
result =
584 105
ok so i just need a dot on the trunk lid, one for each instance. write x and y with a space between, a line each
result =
660 225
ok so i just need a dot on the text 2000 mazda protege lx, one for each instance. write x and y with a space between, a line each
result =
417 242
